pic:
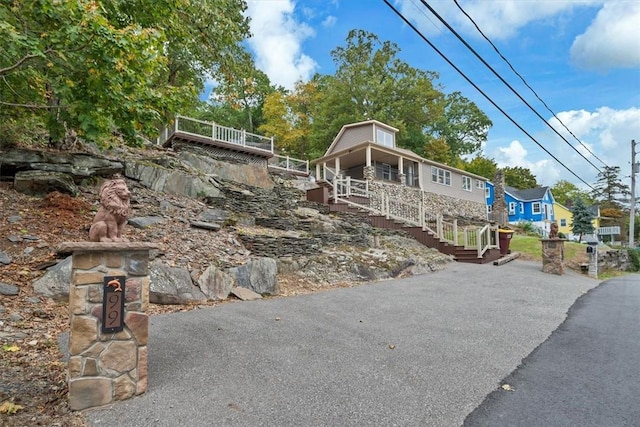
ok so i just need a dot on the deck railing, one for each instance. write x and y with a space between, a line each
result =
187 126
379 203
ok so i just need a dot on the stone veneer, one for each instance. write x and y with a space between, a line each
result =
553 256
104 368
433 204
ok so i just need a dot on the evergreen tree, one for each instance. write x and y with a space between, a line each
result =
582 218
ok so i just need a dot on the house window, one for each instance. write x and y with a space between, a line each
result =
536 207
521 207
487 192
489 208
512 208
479 184
384 138
441 176
466 183
563 222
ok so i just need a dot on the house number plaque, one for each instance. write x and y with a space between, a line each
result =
113 304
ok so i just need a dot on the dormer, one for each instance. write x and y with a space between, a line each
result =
371 131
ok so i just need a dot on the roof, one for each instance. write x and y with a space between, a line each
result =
529 194
351 125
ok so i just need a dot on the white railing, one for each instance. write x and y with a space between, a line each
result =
289 164
216 132
379 203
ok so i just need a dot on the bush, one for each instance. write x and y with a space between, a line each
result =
634 257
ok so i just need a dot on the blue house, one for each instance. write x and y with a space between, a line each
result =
533 205
489 194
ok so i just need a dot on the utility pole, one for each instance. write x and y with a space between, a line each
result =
632 214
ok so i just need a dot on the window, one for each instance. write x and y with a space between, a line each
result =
479 184
512 208
466 183
441 176
536 208
563 222
489 208
521 207
487 192
384 138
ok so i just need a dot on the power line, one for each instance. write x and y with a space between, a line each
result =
446 24
525 82
443 56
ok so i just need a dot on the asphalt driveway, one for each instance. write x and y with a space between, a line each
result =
420 351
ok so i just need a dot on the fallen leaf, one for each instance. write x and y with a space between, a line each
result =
10 347
9 408
392 346
277 318
507 387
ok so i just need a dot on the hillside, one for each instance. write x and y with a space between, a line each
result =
32 367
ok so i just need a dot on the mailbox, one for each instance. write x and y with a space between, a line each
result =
590 249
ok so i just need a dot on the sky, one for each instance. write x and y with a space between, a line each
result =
581 57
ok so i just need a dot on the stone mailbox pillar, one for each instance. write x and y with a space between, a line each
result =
107 357
553 256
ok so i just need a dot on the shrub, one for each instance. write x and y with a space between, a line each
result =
634 257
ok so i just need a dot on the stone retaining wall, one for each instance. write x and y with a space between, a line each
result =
287 246
106 367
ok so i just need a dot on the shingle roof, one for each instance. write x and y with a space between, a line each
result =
528 194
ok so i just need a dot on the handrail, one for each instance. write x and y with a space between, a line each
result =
289 164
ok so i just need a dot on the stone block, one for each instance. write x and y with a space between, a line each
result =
90 368
84 333
123 387
133 289
89 392
113 259
142 370
94 351
119 356
138 324
94 293
78 300
137 263
87 278
86 261
75 366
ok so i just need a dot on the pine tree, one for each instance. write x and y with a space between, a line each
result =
582 218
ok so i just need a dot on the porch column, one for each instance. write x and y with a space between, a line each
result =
368 156
337 161
318 176
401 175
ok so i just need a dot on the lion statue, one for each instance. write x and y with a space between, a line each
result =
111 218
553 234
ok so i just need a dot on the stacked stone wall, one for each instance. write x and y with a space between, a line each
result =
106 367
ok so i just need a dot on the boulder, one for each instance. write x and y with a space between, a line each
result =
40 183
259 275
8 290
145 221
4 258
172 285
216 284
55 282
245 294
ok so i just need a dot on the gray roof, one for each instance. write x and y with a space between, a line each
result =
528 194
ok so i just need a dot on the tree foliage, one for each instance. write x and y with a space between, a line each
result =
104 66
482 166
609 189
565 193
519 177
582 222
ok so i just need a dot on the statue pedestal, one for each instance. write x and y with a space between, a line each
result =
108 300
553 256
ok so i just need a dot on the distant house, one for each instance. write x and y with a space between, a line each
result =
367 151
534 205
564 219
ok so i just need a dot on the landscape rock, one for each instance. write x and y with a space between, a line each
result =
8 290
145 221
55 282
4 258
40 183
172 285
206 225
258 275
215 283
245 294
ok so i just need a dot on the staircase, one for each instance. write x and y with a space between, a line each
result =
477 244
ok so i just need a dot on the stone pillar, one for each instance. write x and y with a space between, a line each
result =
106 367
500 212
553 256
369 173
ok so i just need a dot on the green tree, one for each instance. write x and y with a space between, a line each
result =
519 177
582 222
565 192
609 189
482 166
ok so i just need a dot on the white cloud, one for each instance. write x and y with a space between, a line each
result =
277 42
329 21
612 39
516 155
497 19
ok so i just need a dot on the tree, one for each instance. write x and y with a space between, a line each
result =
582 222
371 82
519 178
565 192
609 189
482 166
99 67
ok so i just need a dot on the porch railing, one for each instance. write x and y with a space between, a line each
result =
289 164
379 203
216 132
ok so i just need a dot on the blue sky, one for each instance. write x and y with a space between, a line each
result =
582 57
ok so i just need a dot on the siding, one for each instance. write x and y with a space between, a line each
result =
453 190
353 136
